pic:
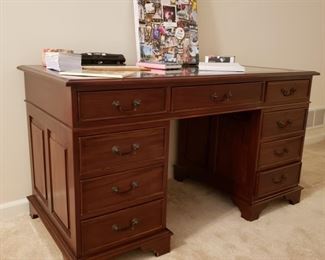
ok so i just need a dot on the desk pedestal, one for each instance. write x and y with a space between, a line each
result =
226 151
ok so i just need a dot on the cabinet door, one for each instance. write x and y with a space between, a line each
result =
51 146
50 167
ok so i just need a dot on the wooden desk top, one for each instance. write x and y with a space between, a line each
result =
191 75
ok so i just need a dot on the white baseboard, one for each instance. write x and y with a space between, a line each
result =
315 135
13 209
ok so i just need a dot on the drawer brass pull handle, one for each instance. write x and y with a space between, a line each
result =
214 96
279 180
281 153
134 148
288 92
227 97
133 185
282 124
135 105
131 226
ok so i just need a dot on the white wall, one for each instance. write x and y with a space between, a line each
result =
266 33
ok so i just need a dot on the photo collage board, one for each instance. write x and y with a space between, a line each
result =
167 31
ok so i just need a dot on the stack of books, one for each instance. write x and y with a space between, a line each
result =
61 61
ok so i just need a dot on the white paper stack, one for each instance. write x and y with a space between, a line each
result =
221 66
60 61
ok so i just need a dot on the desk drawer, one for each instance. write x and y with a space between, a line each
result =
121 226
283 122
216 95
99 105
105 154
287 91
120 190
280 152
279 179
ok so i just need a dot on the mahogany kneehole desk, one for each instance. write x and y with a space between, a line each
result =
99 149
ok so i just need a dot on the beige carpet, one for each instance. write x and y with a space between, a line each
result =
207 225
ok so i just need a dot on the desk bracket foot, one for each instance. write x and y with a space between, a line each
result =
293 197
158 246
32 212
250 212
253 212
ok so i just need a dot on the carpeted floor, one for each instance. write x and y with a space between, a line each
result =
207 225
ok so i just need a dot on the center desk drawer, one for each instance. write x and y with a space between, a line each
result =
216 95
105 154
99 105
124 225
121 190
280 152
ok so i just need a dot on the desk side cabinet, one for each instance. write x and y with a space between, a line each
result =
100 190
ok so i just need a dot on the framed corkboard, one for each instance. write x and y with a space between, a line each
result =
166 31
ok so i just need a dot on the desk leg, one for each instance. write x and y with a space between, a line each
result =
180 173
32 212
250 212
158 246
294 197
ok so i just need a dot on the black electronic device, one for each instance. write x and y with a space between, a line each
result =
101 58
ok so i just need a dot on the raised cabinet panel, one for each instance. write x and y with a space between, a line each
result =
38 162
58 161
